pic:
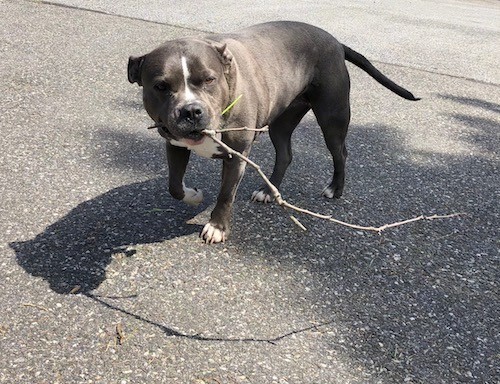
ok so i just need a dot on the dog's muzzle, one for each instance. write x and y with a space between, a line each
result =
192 113
185 122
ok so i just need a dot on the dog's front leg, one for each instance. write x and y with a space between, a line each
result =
219 226
177 159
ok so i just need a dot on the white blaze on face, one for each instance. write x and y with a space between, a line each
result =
189 95
205 147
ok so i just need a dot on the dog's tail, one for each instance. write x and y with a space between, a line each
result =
362 62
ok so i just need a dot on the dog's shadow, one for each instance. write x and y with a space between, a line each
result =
73 253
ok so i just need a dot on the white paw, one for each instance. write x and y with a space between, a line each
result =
261 197
327 192
192 196
211 234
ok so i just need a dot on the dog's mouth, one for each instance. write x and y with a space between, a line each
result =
193 137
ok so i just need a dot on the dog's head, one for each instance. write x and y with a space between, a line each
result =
184 86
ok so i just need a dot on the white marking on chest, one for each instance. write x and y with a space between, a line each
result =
188 93
205 148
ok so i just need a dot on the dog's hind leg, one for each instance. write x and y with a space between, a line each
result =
280 132
334 132
332 110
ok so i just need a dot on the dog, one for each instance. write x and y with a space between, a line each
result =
282 70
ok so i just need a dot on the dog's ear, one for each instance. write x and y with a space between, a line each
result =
225 55
135 69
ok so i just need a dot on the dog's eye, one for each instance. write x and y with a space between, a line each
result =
209 80
161 87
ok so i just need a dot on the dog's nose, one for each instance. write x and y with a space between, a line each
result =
192 112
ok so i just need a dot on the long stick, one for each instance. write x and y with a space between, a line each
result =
280 201
263 129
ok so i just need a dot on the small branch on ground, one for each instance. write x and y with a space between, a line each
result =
120 335
283 203
298 223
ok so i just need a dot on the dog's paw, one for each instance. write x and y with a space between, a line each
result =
331 193
327 192
211 234
192 196
260 196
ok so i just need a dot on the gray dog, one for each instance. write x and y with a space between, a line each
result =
282 69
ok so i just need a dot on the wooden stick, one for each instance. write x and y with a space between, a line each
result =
298 223
283 203
222 130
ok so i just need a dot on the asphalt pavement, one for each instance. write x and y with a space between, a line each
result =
103 278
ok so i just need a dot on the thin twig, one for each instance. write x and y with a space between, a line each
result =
367 228
230 106
75 289
298 223
274 190
119 334
280 201
222 130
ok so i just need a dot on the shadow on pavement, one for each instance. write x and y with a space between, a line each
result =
472 102
172 332
75 250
